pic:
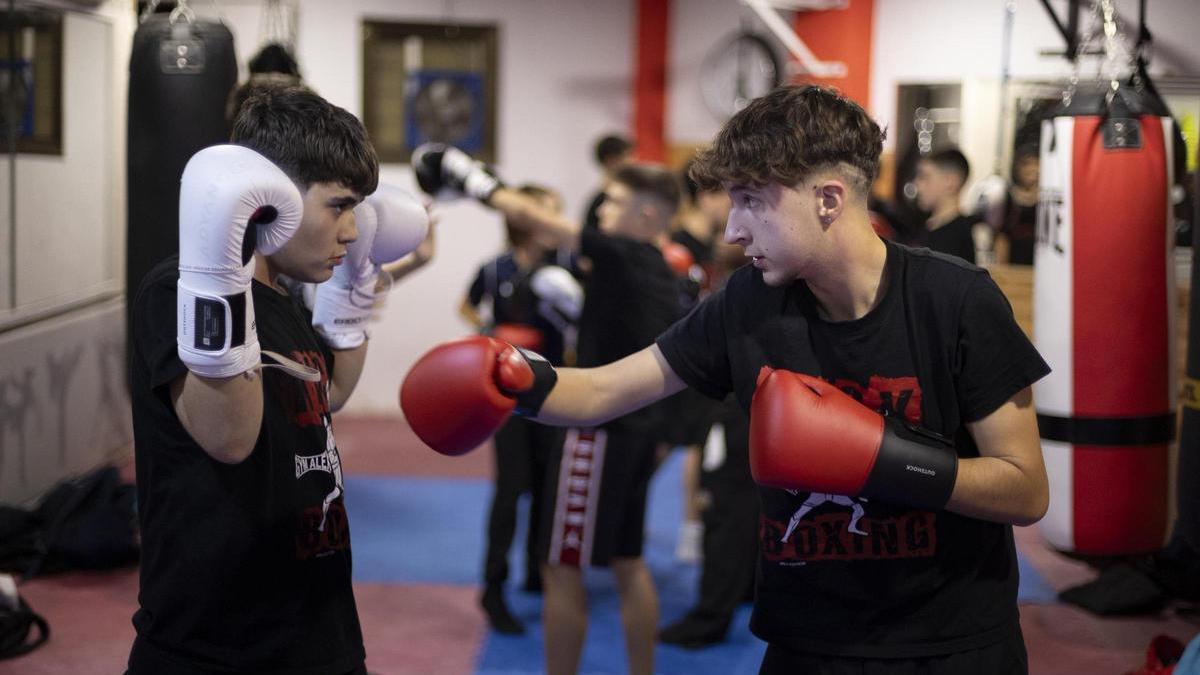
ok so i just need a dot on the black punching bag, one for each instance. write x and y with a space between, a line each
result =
180 76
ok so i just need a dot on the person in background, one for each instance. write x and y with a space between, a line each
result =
726 498
1016 219
940 179
699 225
601 473
502 301
611 152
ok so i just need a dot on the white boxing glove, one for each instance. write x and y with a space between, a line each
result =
391 224
441 167
557 289
232 201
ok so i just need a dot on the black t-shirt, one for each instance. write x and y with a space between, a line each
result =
508 288
953 238
1020 223
863 577
701 252
630 298
245 568
692 287
503 283
591 215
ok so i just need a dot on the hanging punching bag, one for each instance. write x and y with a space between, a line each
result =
1103 319
180 76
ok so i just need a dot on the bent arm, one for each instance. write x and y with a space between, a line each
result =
1007 483
592 396
347 369
466 310
223 415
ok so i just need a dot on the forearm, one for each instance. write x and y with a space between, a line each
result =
592 396
467 311
223 415
999 490
347 368
525 212
1007 483
405 266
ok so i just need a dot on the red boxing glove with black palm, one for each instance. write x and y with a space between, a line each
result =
459 393
807 434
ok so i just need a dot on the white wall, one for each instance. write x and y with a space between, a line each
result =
63 404
73 204
696 28
565 78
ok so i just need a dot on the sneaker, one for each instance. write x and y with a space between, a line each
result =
499 618
689 547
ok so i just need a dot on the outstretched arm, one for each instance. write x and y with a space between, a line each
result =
528 213
591 396
460 392
442 167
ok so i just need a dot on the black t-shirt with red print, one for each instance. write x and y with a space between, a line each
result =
245 567
859 577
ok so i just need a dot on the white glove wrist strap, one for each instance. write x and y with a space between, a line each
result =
212 334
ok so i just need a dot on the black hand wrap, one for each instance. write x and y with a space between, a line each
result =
914 466
529 402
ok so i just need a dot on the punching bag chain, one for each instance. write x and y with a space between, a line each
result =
1117 59
182 10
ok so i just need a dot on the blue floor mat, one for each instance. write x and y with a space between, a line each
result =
417 530
425 530
1033 587
604 650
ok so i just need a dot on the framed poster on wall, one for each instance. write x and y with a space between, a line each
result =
31 80
429 83
446 106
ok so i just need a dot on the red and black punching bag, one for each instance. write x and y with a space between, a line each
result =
180 76
1103 319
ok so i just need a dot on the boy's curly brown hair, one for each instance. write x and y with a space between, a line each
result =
787 135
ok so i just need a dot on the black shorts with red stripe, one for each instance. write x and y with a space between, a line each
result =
596 486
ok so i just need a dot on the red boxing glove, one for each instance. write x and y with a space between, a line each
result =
807 434
678 258
519 335
460 392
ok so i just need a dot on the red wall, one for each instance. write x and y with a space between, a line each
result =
841 35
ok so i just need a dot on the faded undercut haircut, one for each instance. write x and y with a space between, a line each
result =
311 139
651 180
790 134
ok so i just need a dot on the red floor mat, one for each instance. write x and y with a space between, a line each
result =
408 630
